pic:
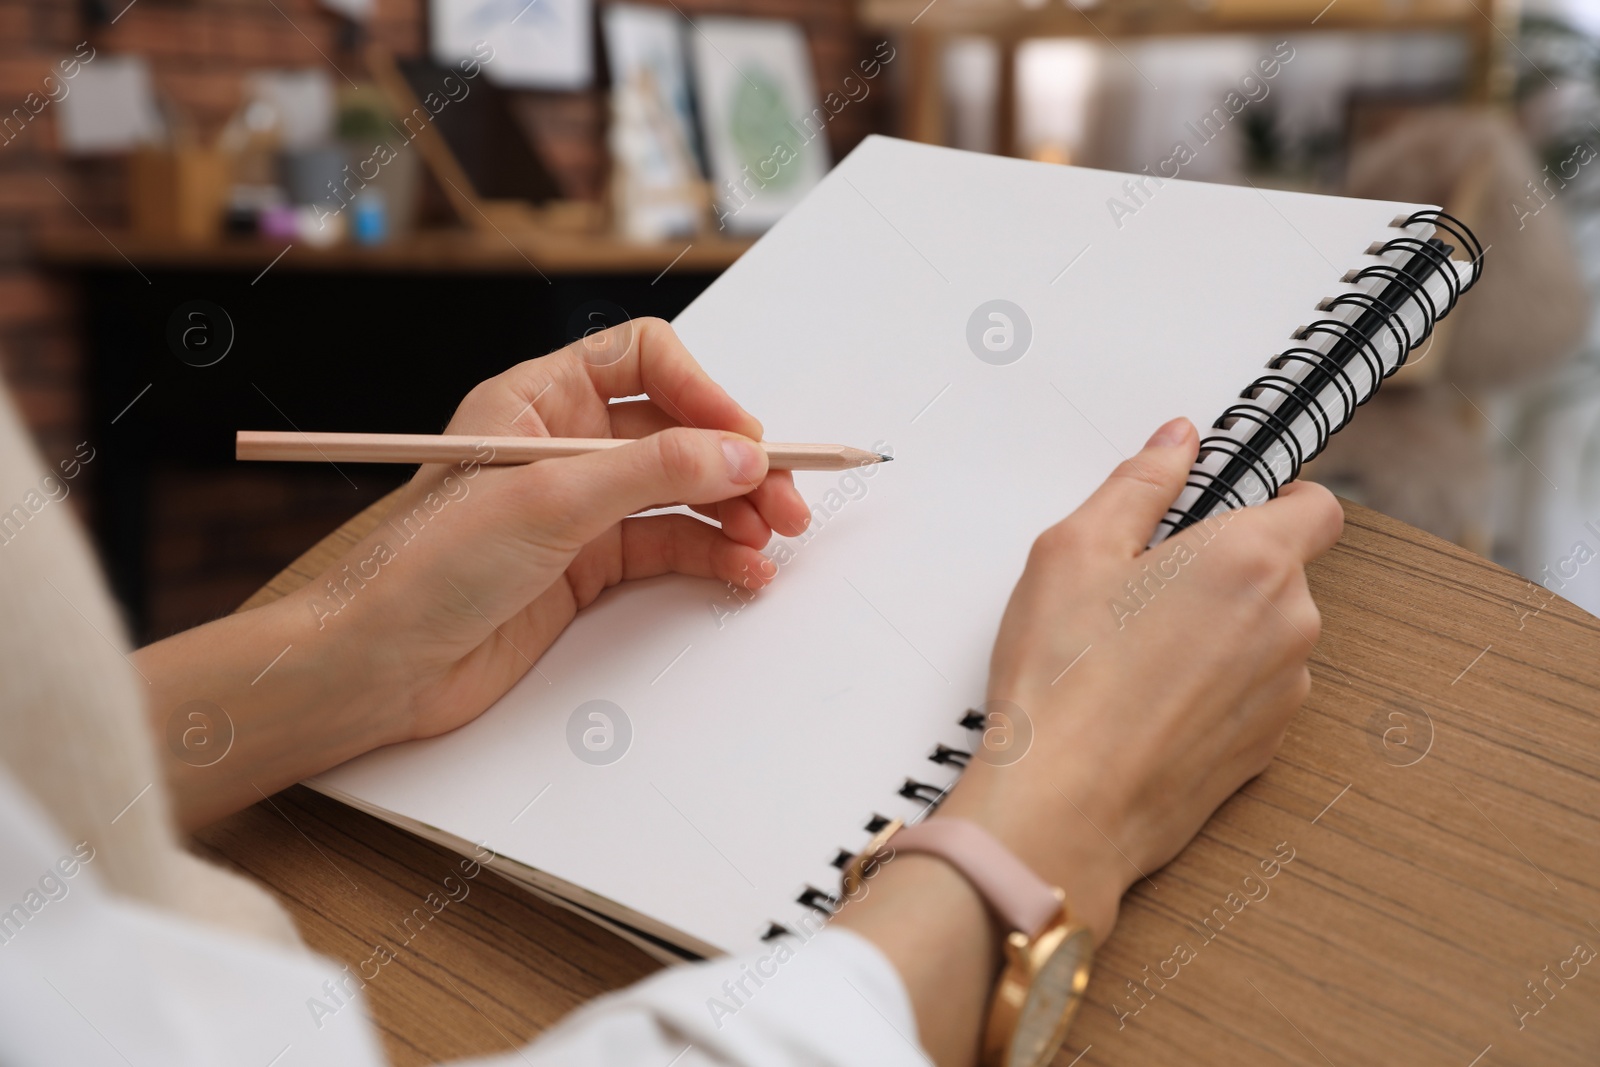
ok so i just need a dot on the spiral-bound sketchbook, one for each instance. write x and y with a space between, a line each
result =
690 761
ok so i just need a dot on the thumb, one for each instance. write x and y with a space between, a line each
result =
586 495
1127 507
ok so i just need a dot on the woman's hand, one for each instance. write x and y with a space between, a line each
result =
1156 683
489 565
477 569
1153 684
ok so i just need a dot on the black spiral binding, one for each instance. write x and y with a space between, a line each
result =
825 903
1352 341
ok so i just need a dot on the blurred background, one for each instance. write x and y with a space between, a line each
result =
341 214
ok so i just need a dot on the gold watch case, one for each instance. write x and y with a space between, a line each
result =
1041 984
1041 987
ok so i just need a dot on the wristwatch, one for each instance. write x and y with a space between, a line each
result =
1047 954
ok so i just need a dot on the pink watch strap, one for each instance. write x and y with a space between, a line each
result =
1024 900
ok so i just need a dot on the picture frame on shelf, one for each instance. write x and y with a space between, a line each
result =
764 131
646 40
531 44
658 185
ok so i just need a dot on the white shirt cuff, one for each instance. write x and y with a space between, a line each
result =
831 1001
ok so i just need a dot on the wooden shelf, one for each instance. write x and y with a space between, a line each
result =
440 251
1170 17
1486 25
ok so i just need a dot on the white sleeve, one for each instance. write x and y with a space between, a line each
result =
89 978
832 1001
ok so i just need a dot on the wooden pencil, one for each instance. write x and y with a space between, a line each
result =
295 446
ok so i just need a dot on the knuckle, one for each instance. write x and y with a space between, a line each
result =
1286 570
1065 538
1144 476
682 460
1270 565
1308 619
1267 753
1238 541
479 398
1259 571
1255 559
1127 470
648 329
1266 750
528 368
1302 686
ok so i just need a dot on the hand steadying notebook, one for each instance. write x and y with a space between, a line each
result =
689 760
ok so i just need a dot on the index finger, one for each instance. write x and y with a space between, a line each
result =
645 356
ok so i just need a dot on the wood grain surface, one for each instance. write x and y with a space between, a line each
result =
1439 795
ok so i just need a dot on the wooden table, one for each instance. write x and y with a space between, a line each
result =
1440 793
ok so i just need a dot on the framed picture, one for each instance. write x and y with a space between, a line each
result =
765 134
657 181
647 49
522 44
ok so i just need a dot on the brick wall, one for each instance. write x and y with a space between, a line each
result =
199 51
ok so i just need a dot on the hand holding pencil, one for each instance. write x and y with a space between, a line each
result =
480 567
298 445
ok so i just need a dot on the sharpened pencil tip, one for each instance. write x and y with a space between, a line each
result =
884 459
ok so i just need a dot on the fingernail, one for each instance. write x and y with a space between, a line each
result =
743 460
1172 433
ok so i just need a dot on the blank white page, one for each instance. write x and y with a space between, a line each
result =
763 740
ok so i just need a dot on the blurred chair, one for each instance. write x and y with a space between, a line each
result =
1423 452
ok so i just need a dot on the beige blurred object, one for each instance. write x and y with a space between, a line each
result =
73 707
1530 308
178 192
1410 454
1422 451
